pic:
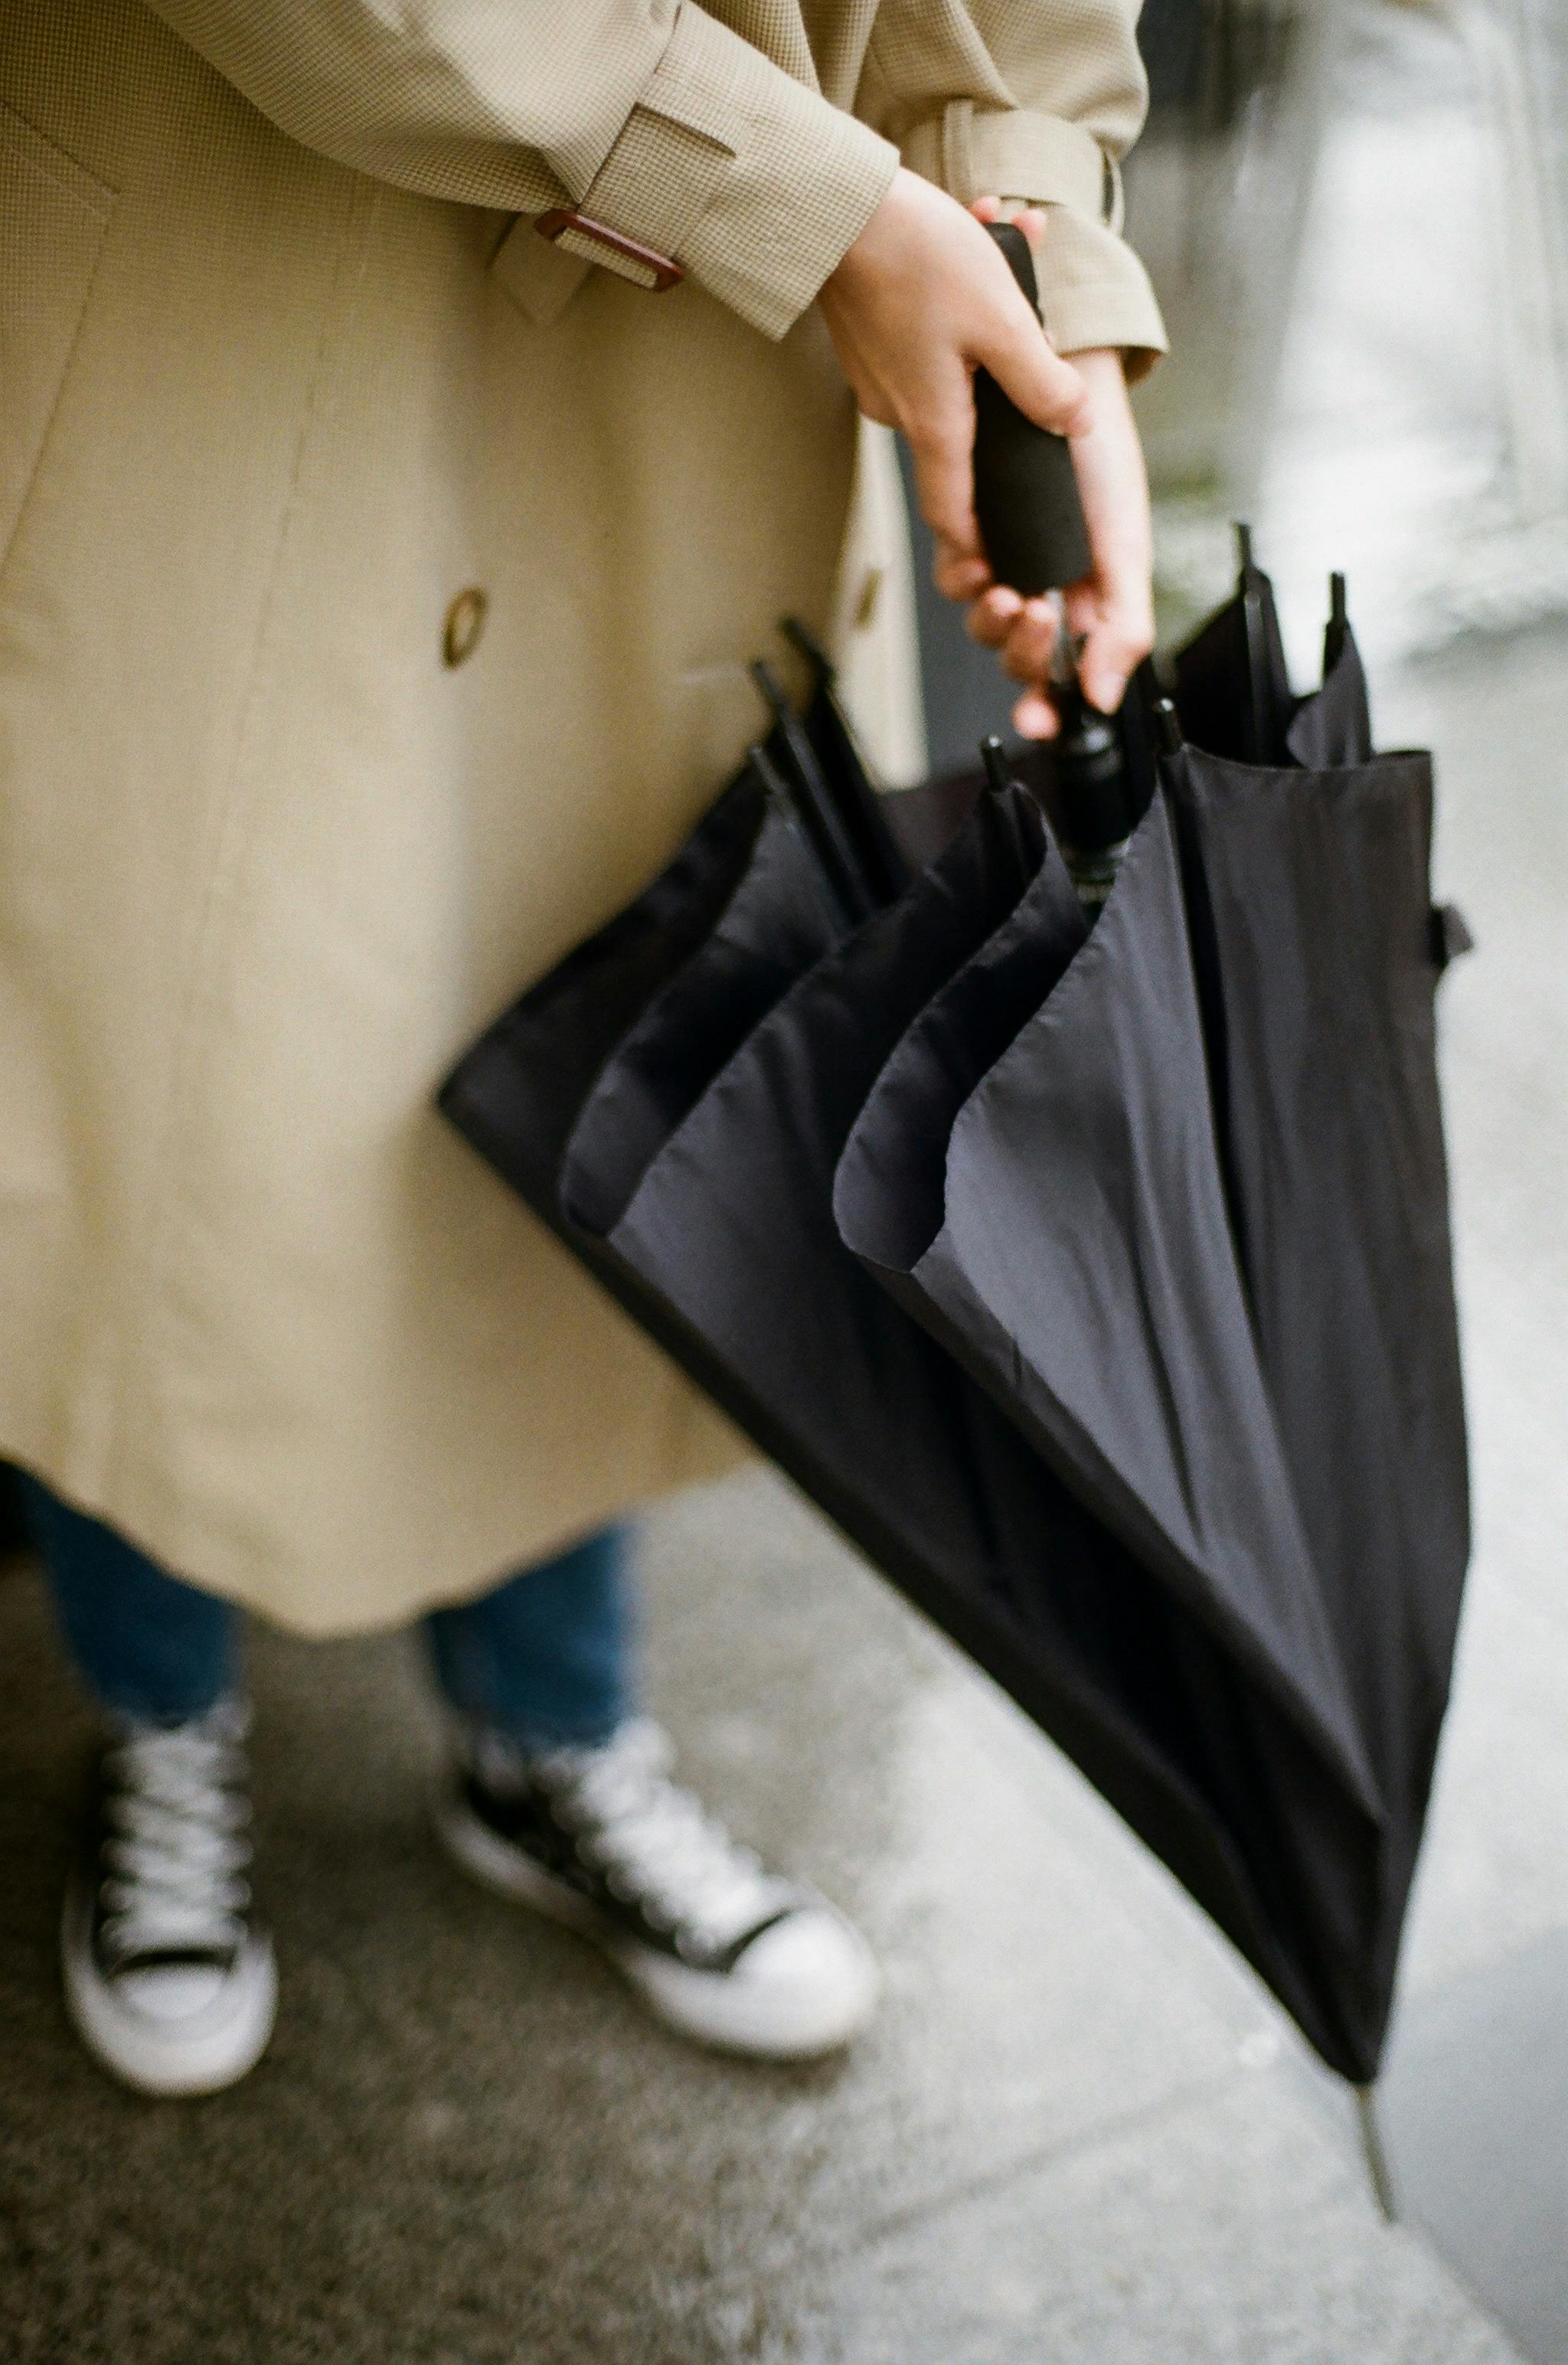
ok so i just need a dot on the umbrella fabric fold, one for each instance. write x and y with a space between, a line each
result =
1332 727
1315 906
1234 693
1072 1245
1031 1251
774 922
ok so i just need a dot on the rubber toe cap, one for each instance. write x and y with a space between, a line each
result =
815 1974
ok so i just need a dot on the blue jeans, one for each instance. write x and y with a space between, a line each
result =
546 1654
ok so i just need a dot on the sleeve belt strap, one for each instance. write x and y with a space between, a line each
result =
656 184
974 152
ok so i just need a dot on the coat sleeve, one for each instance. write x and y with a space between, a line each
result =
649 115
1036 99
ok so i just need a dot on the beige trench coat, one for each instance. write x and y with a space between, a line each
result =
284 815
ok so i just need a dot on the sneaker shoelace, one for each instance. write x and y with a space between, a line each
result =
176 1846
655 1843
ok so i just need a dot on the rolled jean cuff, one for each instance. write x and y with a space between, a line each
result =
147 1646
546 1657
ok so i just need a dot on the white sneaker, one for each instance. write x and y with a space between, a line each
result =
170 1980
602 1840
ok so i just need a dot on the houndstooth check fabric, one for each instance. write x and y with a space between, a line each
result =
750 140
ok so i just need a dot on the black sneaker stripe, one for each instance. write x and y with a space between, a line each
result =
526 1819
731 1954
170 1959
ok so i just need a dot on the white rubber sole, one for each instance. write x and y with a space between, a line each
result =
201 2054
751 2010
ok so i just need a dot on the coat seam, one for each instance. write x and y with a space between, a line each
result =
139 1334
45 155
30 492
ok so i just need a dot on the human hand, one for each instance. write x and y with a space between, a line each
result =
1112 608
921 300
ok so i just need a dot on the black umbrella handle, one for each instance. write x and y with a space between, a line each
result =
1030 517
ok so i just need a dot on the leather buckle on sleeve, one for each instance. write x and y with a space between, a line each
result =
653 270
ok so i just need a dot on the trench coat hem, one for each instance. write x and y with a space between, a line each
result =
206 1554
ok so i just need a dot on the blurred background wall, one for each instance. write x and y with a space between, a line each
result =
1355 216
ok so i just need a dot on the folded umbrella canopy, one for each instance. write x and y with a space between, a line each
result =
1093 1278
1155 1410
1190 1225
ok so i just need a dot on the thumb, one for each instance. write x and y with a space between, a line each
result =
1045 387
1023 361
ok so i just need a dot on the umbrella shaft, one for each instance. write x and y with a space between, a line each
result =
1094 871
1088 795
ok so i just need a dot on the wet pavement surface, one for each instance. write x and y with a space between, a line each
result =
1079 2135
1079 2132
1478 2100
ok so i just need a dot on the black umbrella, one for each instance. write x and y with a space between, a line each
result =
1235 692
1094 1279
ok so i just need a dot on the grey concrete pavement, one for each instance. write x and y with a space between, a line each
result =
1079 2132
1076 2133
1079 2135
1479 2076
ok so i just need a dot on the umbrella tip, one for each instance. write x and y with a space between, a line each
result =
993 755
1168 727
1337 613
1243 545
1378 2170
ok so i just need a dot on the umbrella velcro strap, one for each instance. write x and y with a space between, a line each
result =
1450 934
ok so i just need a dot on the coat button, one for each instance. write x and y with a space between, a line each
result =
464 625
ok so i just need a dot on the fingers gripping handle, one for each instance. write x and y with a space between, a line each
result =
1030 517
